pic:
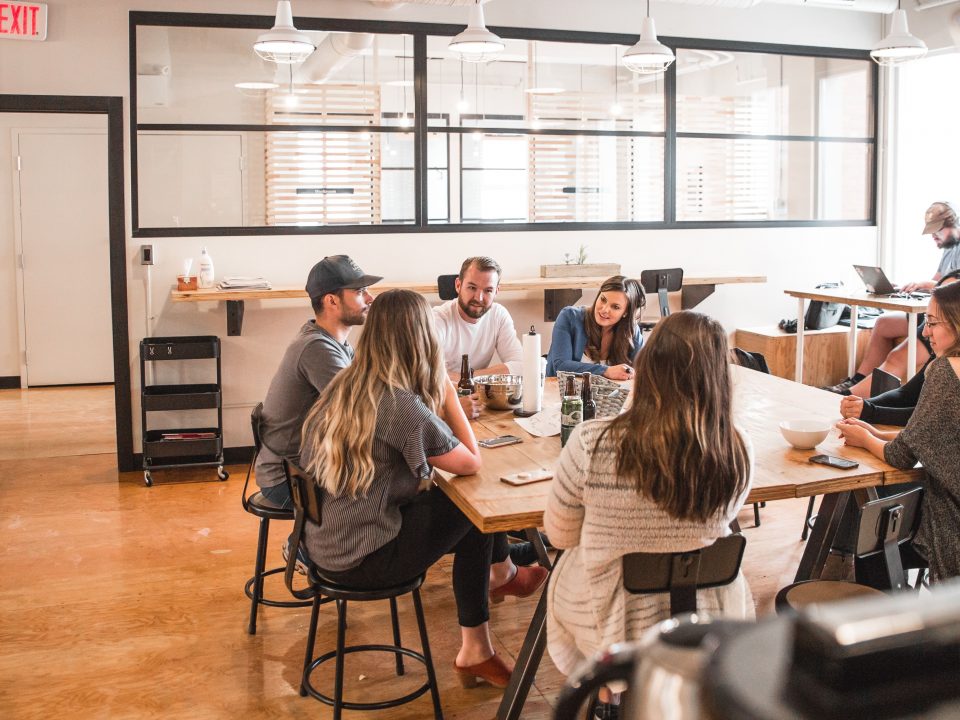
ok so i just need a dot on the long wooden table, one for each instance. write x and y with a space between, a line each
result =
558 292
780 472
858 299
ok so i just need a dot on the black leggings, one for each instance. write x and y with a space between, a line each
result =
431 527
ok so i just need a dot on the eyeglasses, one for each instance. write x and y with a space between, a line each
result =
933 323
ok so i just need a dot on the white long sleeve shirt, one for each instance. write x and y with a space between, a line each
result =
492 334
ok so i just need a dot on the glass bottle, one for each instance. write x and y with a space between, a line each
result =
586 395
571 410
465 385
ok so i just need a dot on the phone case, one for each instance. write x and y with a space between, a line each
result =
527 476
490 442
835 462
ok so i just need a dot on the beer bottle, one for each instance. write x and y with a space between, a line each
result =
465 385
571 410
586 395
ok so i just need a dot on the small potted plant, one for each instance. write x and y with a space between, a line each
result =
577 266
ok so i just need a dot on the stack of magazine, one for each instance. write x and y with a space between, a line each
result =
237 282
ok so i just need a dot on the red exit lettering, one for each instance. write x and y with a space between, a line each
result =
24 21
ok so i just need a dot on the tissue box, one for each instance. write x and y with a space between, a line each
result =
186 282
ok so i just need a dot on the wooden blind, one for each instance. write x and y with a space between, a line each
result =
573 177
726 179
319 177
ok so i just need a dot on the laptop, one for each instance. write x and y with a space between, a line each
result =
875 280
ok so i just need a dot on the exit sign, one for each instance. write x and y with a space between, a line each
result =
23 21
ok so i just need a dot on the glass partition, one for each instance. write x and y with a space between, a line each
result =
552 132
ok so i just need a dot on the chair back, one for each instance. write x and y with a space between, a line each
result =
662 282
750 360
446 286
256 418
884 525
881 381
683 573
307 503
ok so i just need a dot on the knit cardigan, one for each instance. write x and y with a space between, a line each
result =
600 517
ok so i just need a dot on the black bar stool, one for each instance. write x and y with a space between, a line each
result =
307 503
260 507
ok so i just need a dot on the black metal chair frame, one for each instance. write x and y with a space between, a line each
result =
884 524
307 501
683 573
253 588
662 282
881 381
446 286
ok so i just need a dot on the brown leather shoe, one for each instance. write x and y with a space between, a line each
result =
493 670
524 584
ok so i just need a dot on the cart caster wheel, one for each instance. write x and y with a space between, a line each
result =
147 480
221 473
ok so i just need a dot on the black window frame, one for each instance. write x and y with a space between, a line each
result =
420 32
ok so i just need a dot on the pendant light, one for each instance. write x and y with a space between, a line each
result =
649 56
476 43
899 46
283 43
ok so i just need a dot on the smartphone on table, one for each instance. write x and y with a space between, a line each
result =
835 462
499 441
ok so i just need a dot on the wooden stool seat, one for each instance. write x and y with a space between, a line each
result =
811 592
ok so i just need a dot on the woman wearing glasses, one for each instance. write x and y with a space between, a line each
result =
931 437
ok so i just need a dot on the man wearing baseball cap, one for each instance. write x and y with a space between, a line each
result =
887 348
338 293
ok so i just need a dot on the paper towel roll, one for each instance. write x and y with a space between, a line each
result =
532 387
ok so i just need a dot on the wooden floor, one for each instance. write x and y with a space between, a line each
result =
123 601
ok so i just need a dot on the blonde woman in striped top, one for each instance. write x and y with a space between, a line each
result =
668 475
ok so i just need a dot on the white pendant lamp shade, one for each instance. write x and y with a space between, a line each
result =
899 45
476 43
649 56
283 43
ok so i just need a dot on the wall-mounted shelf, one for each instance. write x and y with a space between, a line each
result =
557 293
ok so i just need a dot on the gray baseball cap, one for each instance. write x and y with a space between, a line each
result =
337 272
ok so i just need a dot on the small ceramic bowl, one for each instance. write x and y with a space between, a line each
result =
805 434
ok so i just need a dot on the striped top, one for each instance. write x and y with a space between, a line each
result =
601 517
406 434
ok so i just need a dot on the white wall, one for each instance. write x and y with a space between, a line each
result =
86 54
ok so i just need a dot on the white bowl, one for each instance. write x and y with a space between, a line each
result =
805 434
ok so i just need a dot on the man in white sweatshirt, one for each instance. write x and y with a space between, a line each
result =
473 324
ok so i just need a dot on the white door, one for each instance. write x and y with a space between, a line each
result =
63 238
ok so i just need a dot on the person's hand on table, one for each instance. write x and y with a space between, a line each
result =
856 433
470 405
619 372
851 406
922 285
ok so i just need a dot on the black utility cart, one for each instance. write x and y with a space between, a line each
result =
181 446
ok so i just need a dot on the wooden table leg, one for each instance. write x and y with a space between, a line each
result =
821 537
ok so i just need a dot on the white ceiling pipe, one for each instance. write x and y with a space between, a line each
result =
336 51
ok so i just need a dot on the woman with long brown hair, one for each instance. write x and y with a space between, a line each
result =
602 339
931 437
372 441
667 475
